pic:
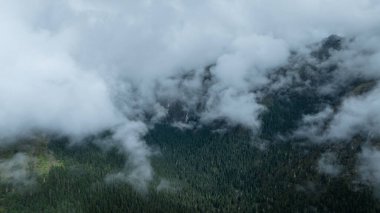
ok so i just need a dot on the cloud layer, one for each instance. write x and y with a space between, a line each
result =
80 67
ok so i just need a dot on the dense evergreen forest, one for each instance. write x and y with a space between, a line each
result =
196 170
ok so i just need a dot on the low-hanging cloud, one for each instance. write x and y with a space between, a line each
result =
16 171
328 164
369 169
357 115
80 67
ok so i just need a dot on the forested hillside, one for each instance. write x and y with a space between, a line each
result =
195 171
189 106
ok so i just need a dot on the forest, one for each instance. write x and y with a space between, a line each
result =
195 171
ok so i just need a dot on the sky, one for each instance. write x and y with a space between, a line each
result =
79 67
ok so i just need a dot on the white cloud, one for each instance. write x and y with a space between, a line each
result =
235 107
357 115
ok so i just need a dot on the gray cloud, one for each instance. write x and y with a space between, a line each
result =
328 164
17 171
369 168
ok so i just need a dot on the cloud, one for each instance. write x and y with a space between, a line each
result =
350 91
17 171
313 126
80 67
357 115
42 88
138 170
327 164
235 108
369 168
